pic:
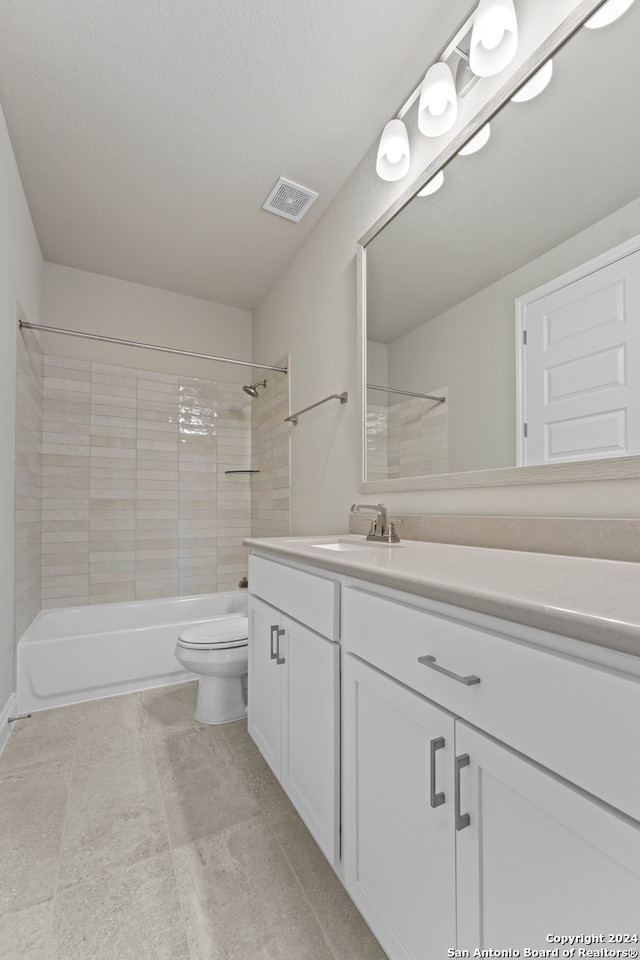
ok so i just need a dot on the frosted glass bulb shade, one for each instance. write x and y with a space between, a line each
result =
394 158
434 184
608 13
494 37
536 84
477 142
438 107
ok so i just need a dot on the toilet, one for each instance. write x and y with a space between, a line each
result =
217 651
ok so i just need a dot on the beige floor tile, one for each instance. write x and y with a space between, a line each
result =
46 734
170 710
112 727
115 816
273 801
131 914
242 901
24 933
344 929
33 801
204 791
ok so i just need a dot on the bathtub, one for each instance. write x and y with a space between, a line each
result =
82 653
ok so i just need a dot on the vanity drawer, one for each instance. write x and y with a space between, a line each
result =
578 720
310 599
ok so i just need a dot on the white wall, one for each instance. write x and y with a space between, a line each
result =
88 302
20 282
311 313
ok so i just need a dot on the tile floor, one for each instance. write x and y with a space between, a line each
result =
131 831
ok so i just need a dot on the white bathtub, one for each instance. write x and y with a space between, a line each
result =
82 653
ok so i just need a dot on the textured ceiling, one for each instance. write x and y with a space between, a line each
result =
149 132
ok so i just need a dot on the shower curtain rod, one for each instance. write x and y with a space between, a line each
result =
146 346
407 393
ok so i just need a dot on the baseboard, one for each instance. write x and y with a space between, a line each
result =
10 710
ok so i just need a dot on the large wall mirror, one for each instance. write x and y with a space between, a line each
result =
557 184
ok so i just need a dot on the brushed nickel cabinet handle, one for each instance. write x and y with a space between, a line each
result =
272 650
462 819
279 657
436 798
431 663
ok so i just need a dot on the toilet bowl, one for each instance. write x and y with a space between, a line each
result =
217 651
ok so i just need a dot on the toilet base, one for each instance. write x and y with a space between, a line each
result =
221 699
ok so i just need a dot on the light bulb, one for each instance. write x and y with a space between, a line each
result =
608 13
535 85
434 184
394 159
477 142
494 37
438 106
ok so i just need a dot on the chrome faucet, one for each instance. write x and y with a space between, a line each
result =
382 530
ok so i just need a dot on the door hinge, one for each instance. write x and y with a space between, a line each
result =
524 337
525 429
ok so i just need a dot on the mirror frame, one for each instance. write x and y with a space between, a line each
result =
613 468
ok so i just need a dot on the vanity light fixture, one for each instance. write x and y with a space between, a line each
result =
434 184
438 106
484 44
494 38
535 85
477 142
607 13
394 157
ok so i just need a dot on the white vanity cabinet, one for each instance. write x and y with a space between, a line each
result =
467 818
399 841
294 698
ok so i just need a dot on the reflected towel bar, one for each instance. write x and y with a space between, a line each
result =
407 393
342 397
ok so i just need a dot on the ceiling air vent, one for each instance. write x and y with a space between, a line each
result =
289 199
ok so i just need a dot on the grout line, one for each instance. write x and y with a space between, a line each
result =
286 858
152 742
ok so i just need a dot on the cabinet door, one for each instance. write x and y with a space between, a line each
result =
310 732
399 849
265 681
538 857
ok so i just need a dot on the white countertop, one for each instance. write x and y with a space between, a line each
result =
597 601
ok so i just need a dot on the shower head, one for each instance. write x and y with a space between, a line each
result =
252 391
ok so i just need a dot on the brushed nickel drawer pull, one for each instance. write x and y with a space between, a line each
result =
462 819
431 662
279 658
273 653
436 798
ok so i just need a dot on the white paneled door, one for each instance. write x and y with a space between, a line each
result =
579 391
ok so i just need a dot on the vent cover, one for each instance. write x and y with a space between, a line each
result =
289 200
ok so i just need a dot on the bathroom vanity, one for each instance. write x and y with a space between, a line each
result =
458 728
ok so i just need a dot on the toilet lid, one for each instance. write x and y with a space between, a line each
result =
230 630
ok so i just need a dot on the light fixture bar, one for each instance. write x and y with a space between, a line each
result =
463 31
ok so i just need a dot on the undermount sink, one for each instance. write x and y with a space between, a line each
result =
341 545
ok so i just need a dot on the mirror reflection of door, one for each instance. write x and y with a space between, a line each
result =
580 383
